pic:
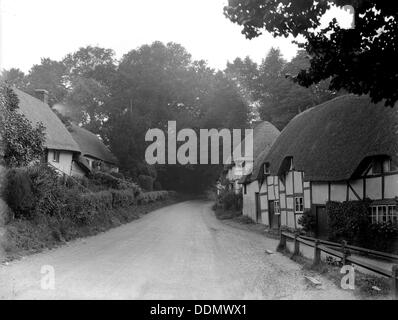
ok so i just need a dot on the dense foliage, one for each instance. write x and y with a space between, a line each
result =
38 191
121 100
308 222
229 200
276 97
350 221
145 182
361 60
21 142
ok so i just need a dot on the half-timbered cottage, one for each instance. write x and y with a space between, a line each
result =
263 138
344 149
264 134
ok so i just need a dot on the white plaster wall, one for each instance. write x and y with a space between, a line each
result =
249 200
290 219
319 193
391 186
289 183
338 192
65 161
298 184
357 185
307 199
373 188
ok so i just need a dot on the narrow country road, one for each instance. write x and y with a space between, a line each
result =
178 252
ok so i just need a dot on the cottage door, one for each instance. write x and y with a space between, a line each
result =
321 222
258 207
273 218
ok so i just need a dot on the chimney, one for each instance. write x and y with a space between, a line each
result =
255 123
42 95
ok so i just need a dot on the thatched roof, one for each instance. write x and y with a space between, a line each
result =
57 136
264 135
90 145
328 142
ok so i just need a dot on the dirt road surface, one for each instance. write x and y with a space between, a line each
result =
177 252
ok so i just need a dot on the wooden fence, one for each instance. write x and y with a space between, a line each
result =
343 251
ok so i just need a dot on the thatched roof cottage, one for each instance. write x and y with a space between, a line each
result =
344 149
94 153
61 148
264 135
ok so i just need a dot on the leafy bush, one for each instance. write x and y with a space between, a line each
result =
229 200
157 186
22 142
117 175
153 196
108 181
18 192
145 182
307 221
38 193
123 198
350 221
381 236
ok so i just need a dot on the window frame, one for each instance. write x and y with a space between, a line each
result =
266 168
56 155
382 213
299 204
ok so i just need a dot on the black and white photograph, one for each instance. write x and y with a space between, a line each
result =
209 152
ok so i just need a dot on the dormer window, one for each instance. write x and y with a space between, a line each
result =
266 169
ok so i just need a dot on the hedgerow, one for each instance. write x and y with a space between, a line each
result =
350 221
40 191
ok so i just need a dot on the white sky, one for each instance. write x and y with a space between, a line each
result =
32 29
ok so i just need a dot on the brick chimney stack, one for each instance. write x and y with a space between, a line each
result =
42 95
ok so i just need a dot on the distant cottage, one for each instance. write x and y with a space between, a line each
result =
74 152
94 154
264 135
344 149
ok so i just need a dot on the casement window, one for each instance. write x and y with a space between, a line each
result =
377 167
384 213
389 166
56 156
277 207
266 169
298 204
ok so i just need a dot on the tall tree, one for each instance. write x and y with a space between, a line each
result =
361 60
14 77
48 75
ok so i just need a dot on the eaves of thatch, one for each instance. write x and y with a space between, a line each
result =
328 142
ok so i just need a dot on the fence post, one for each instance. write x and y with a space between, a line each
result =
296 246
282 243
317 253
345 252
394 281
